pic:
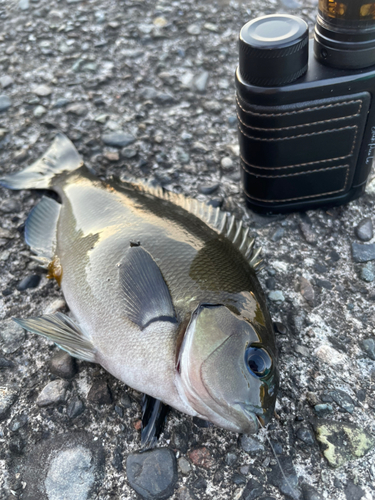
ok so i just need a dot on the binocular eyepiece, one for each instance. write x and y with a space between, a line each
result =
305 107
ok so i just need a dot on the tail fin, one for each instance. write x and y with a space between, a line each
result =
60 157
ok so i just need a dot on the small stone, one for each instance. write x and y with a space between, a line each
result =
320 268
277 234
238 479
307 291
300 349
250 444
31 281
54 306
208 188
310 493
211 27
216 202
286 481
18 422
125 400
270 283
100 393
128 153
364 231
77 109
226 162
5 363
231 458
200 82
61 102
7 398
184 465
308 232
306 436
160 22
118 139
193 29
343 399
253 490
342 442
42 90
39 111
12 336
10 206
75 408
368 345
202 458
5 103
276 296
280 328
71 474
367 272
353 492
362 252
52 393
112 155
323 408
152 474
6 81
199 147
63 365
23 4
329 355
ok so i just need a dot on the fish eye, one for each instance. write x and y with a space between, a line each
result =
258 361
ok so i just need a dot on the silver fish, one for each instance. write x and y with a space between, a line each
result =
162 289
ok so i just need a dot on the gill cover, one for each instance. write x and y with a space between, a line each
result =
221 362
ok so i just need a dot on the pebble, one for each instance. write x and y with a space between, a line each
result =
364 231
250 444
10 206
367 272
342 442
280 328
310 493
307 291
63 365
184 465
6 81
304 351
152 474
42 90
128 153
270 283
308 232
5 363
5 103
18 422
230 458
52 393
75 407
202 458
343 399
61 102
276 296
286 481
320 268
31 281
100 393
118 139
7 398
194 29
362 252
200 82
77 109
39 111
368 345
253 490
323 408
226 162
305 435
208 188
216 202
238 479
125 400
71 474
200 484
329 355
277 234
12 336
353 492
112 155
24 4
54 306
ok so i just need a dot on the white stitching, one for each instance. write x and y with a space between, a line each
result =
296 173
301 197
295 126
294 112
296 164
272 139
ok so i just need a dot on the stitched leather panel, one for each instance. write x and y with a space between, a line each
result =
297 152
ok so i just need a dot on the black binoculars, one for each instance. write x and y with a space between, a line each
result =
306 112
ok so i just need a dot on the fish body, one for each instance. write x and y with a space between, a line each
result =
160 289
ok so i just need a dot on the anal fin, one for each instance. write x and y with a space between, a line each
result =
63 331
154 413
40 228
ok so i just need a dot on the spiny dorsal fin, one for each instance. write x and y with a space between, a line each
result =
219 221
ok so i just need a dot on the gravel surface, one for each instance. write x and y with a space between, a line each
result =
146 90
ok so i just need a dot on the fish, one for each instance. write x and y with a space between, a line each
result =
161 288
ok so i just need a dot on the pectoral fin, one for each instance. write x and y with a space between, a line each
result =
63 331
146 295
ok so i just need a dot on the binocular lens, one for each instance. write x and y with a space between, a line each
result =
345 34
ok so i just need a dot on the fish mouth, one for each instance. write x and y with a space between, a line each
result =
252 414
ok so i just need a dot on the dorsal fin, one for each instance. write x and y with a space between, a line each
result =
219 221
